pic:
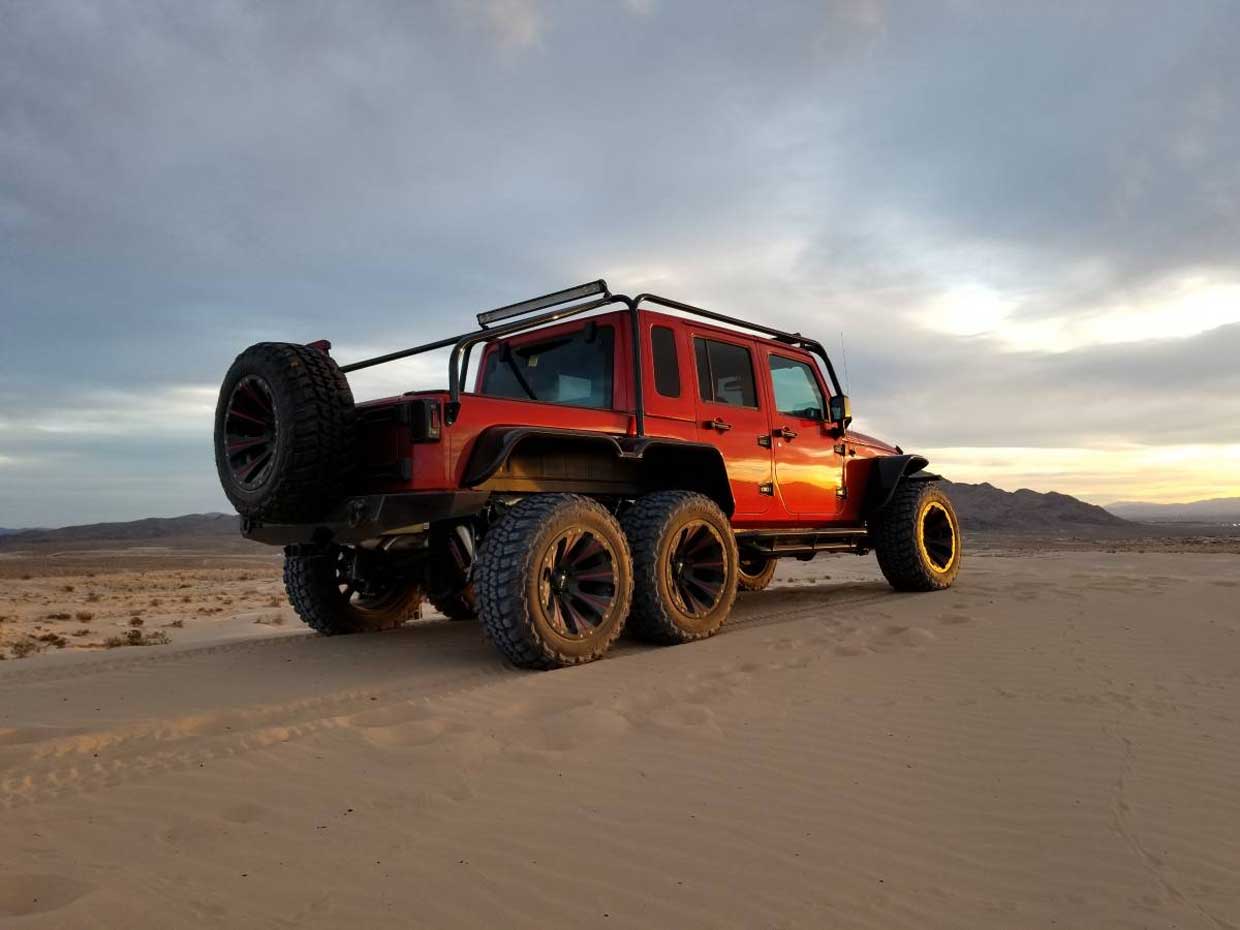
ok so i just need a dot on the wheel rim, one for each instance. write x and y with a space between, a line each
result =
936 536
577 583
696 566
751 568
250 428
349 592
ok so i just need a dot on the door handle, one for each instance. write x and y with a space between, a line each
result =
784 433
718 425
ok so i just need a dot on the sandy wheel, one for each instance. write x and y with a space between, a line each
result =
684 566
917 538
325 593
283 432
755 574
553 581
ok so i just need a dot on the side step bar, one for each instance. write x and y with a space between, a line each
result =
777 542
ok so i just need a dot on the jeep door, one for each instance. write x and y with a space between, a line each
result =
809 463
730 416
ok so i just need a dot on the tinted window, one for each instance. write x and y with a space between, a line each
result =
666 366
725 373
796 391
572 369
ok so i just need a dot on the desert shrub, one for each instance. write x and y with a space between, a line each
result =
82 632
53 639
23 648
177 623
136 621
138 638
68 589
84 615
59 615
92 598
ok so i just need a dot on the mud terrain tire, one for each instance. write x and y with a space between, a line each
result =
684 567
318 591
455 605
284 433
755 574
553 581
917 538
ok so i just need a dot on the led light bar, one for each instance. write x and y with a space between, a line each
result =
538 303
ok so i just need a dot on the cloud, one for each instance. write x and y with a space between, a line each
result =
1021 219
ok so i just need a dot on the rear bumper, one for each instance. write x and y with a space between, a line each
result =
371 515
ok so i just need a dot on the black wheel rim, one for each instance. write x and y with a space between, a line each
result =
938 536
250 428
696 564
577 583
349 593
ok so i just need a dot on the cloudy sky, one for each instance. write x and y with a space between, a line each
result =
1022 219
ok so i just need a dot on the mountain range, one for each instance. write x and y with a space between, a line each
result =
980 506
985 507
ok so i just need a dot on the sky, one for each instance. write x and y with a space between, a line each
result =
1018 222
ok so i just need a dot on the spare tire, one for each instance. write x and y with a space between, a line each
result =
284 431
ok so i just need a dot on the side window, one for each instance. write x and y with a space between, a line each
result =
572 369
725 373
796 390
666 365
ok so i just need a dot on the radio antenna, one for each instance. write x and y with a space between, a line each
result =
844 359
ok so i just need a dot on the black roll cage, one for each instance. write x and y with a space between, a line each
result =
564 301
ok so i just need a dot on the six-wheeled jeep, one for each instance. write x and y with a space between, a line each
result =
611 461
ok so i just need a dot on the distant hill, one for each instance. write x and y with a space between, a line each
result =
195 525
1218 510
985 507
980 506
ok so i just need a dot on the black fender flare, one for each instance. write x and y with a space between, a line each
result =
496 445
886 474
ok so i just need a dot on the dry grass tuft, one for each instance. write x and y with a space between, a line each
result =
138 638
59 615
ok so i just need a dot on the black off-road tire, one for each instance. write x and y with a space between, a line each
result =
312 423
914 554
755 574
456 605
653 525
313 586
510 590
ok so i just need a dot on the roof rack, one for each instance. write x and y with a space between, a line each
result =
564 307
486 318
792 339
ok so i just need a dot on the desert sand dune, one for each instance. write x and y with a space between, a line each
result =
1054 742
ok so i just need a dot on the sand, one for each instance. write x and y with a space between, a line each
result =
1054 742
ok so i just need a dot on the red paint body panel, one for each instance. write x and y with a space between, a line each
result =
815 478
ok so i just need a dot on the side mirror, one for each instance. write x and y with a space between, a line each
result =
839 410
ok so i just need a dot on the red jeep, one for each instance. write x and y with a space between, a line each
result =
617 461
